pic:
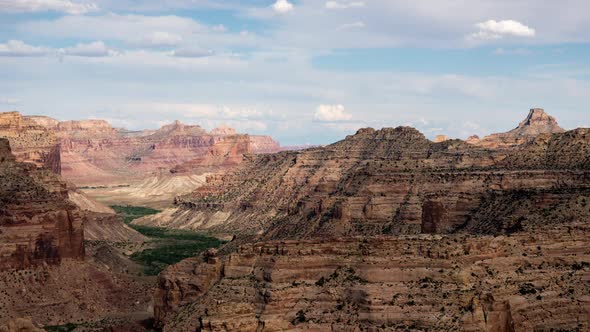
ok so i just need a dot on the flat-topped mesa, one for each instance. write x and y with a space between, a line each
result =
536 123
45 121
179 128
85 128
223 131
93 152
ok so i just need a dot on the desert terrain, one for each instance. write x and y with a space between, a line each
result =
180 229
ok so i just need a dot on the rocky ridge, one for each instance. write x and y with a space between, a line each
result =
388 231
388 181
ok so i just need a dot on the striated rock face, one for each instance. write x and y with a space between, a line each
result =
388 231
527 282
85 128
536 123
111 228
30 141
391 181
38 225
92 152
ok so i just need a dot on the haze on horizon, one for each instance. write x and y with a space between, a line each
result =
304 72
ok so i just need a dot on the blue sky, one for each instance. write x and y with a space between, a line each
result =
305 72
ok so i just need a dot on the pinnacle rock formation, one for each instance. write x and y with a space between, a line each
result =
537 122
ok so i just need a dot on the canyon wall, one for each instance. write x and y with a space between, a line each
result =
391 181
525 282
30 141
38 225
92 152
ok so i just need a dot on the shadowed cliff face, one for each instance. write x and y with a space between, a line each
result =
392 181
37 224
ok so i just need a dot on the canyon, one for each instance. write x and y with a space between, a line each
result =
47 270
384 230
393 181
388 231
91 154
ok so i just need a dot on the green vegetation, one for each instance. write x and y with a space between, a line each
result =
170 246
130 213
299 318
61 328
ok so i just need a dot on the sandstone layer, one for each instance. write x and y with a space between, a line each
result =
393 181
45 273
38 225
31 141
525 282
92 152
388 231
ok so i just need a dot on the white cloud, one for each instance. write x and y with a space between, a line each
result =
490 30
282 6
18 48
219 28
516 51
112 26
355 25
332 113
65 6
139 30
9 101
192 53
344 5
94 49
159 38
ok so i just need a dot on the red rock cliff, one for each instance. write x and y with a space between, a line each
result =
37 224
30 141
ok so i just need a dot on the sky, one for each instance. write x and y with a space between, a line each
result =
303 71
